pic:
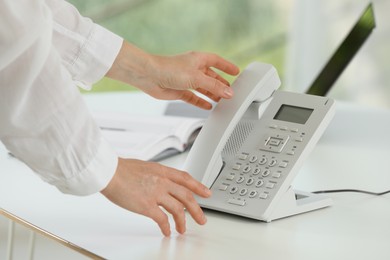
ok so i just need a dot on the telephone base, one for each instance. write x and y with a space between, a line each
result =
296 202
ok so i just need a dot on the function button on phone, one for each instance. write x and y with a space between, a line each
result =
283 164
237 202
270 185
274 142
294 130
242 156
230 177
272 163
291 152
223 187
253 159
240 179
283 128
276 175
259 183
233 189
243 192
256 171
263 196
273 126
236 167
266 173
299 139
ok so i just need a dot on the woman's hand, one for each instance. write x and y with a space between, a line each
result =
144 187
174 77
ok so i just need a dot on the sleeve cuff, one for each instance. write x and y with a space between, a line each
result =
96 176
97 56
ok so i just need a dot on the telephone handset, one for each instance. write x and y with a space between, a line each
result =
252 146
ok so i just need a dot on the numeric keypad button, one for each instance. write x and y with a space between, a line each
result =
246 169
256 171
243 192
263 160
233 189
253 159
259 183
266 173
240 179
272 163
250 181
252 194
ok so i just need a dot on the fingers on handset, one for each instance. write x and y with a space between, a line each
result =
209 94
193 99
215 86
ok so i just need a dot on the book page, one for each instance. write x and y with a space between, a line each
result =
147 136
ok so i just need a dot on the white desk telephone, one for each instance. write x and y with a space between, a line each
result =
252 146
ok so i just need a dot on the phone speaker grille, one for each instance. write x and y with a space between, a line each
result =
235 141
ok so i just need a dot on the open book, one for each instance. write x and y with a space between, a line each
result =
148 137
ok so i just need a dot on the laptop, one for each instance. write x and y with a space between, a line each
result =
344 53
325 79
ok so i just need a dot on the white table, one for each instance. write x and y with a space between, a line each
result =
353 153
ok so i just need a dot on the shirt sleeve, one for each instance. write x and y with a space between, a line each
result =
43 119
87 50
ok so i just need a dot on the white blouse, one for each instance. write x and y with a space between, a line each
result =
46 49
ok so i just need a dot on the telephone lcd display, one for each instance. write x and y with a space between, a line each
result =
293 114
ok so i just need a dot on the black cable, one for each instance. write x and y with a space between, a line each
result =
352 190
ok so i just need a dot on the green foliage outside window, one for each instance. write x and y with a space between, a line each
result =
241 31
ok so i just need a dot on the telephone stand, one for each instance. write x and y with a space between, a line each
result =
296 202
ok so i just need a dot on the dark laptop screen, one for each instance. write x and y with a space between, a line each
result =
344 53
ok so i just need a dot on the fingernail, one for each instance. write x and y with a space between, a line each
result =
204 219
207 191
228 92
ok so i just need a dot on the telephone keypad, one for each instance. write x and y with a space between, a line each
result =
252 176
257 175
